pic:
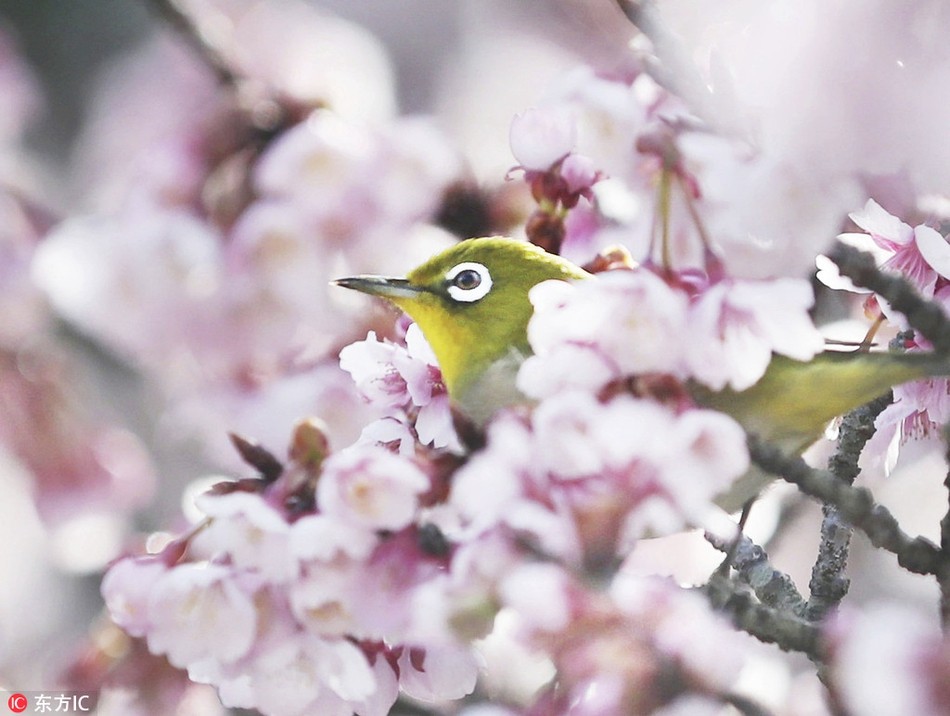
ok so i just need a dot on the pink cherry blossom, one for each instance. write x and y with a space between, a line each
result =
313 605
371 487
79 464
403 383
738 325
370 364
196 611
304 53
249 532
767 215
443 673
889 660
620 323
322 537
113 276
617 653
540 137
126 589
920 254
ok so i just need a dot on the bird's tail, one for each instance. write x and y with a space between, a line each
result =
794 400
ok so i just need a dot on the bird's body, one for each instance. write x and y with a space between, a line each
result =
471 303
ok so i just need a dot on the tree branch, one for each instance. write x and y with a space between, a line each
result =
773 588
773 626
828 585
856 505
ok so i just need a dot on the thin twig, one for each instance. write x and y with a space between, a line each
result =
828 584
171 12
925 316
856 505
773 587
744 705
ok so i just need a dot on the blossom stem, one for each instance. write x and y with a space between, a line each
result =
926 316
868 339
713 263
856 505
663 209
828 585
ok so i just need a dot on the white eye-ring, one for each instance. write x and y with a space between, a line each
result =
468 281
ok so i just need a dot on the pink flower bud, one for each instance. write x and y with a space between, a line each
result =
541 137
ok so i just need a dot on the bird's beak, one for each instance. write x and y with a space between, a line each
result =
391 288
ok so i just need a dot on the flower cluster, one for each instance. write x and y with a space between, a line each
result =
584 480
613 138
353 578
82 465
641 647
632 322
299 595
405 384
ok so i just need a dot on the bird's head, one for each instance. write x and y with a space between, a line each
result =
471 301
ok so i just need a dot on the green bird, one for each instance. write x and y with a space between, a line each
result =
471 303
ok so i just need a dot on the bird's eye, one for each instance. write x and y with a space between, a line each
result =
468 282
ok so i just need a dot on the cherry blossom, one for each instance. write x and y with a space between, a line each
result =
920 254
539 139
740 324
126 589
621 323
405 384
197 612
253 535
625 323
631 651
296 594
371 487
887 660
